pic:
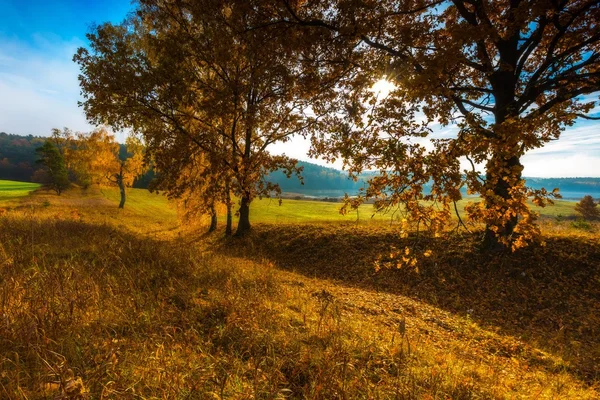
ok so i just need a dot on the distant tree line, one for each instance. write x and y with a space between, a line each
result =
18 162
18 156
317 178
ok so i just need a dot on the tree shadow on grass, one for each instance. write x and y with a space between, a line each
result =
547 296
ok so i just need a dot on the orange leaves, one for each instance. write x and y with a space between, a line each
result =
494 69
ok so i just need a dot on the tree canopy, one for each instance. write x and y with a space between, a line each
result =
223 80
56 177
193 77
97 154
511 75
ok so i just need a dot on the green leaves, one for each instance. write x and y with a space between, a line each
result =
53 161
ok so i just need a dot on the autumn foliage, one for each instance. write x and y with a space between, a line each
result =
509 75
195 81
225 80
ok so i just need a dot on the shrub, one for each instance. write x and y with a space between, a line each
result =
587 208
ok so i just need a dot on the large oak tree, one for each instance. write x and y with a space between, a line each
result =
193 78
511 74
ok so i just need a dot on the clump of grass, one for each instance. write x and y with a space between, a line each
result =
582 225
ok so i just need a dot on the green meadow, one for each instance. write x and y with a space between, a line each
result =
11 190
266 210
293 211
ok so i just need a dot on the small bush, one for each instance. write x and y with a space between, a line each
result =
588 208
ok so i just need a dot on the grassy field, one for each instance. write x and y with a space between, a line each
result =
11 190
299 211
99 303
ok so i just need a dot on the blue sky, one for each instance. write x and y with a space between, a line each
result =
38 80
39 88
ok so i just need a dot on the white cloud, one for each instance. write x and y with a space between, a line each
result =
39 89
559 166
298 148
575 154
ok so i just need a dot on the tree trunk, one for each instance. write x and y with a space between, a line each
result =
213 219
501 181
122 190
228 227
503 171
244 223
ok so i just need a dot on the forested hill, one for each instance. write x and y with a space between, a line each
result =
17 156
328 182
17 162
570 188
319 181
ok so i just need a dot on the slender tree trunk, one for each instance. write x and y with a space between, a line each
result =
213 219
122 191
228 227
244 223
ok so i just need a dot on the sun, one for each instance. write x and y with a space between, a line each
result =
383 87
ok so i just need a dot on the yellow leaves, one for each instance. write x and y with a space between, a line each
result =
227 11
95 158
50 388
74 387
398 259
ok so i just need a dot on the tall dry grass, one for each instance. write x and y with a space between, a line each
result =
91 309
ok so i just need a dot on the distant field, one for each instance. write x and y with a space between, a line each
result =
298 211
310 211
12 190
291 211
141 201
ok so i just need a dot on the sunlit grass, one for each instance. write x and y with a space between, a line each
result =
292 211
114 304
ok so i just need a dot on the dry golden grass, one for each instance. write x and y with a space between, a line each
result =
101 303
